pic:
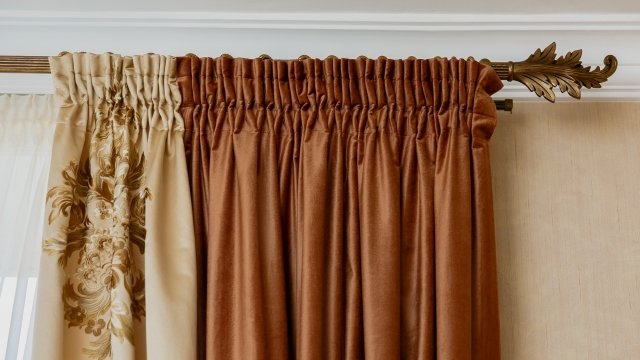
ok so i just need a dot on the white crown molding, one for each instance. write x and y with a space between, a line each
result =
287 35
326 21
608 92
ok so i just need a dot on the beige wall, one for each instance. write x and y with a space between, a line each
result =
566 183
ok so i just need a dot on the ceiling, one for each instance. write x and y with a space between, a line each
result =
365 6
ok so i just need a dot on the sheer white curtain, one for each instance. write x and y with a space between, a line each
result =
27 124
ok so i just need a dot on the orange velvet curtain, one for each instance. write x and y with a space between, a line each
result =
343 207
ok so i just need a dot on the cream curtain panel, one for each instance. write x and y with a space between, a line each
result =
26 133
117 277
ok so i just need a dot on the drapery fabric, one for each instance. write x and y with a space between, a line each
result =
117 275
26 135
342 207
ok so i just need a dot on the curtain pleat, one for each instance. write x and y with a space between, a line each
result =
170 271
342 207
117 277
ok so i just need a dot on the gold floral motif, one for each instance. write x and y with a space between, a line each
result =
97 216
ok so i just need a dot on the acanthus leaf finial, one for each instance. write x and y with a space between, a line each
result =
541 72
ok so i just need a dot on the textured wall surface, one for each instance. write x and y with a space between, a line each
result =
566 181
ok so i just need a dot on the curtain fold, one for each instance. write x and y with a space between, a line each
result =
342 207
110 286
26 135
170 268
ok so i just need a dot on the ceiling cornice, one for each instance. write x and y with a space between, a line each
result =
326 21
286 35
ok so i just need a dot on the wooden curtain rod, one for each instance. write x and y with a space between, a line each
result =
541 72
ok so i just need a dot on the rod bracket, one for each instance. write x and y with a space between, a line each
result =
504 105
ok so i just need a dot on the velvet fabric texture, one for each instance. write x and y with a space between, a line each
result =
342 207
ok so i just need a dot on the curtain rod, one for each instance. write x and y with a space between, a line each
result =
541 72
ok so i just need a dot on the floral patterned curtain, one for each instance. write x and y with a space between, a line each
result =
117 279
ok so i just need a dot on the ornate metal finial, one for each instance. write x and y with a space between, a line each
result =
541 72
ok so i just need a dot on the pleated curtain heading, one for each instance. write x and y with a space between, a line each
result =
342 207
231 208
117 276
